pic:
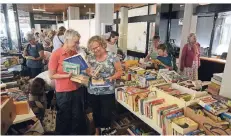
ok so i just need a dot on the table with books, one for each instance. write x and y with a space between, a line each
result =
161 99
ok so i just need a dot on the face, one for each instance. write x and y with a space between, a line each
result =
155 41
192 39
161 52
33 42
114 39
73 43
96 48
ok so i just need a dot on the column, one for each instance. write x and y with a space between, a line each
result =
17 27
123 29
226 79
5 12
103 16
32 20
193 27
157 20
73 13
188 13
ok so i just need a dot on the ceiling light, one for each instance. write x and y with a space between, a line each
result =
84 6
42 10
48 12
92 13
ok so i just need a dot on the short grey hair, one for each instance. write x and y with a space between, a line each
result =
70 34
30 36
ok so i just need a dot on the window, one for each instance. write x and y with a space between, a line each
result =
222 34
175 32
138 11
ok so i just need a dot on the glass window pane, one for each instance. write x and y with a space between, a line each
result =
138 11
175 32
24 23
137 36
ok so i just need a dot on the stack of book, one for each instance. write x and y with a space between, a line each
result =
215 85
172 76
76 65
140 130
175 92
212 105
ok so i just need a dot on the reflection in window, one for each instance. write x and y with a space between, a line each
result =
222 34
3 34
137 36
24 23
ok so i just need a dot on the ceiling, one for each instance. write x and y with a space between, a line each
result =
60 8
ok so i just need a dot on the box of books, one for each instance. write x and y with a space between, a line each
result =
211 125
183 125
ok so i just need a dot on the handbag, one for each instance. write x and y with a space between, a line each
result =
49 121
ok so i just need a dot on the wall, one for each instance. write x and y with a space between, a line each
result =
86 28
175 32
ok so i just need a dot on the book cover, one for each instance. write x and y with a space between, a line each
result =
78 59
154 103
206 100
167 127
216 108
154 110
163 111
215 81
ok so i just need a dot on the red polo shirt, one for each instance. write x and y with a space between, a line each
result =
56 64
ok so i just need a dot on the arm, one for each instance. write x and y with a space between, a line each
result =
25 51
53 66
119 71
41 55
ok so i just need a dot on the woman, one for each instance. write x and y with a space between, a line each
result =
70 115
190 58
47 44
111 42
34 54
152 53
102 98
58 40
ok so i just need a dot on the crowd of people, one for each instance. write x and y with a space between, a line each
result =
50 49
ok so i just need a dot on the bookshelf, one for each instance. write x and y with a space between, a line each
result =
145 119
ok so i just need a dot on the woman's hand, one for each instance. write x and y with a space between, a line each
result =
110 79
70 75
90 72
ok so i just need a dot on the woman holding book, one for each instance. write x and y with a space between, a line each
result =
190 58
70 115
102 97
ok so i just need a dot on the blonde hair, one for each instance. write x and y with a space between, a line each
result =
70 34
97 39
190 35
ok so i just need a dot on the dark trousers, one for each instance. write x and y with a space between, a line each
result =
102 106
34 72
70 113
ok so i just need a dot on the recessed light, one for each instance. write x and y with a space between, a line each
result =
84 6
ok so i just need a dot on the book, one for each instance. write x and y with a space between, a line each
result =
216 108
95 83
155 102
78 59
167 127
162 112
215 81
199 132
218 76
206 100
226 116
82 79
212 116
71 68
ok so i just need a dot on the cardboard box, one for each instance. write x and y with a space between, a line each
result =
22 107
7 114
211 127
184 125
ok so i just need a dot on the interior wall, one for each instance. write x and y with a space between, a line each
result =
175 32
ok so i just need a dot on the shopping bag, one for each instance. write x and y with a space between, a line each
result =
49 121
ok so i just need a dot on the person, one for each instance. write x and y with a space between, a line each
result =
102 99
47 44
34 54
163 57
190 58
69 95
37 38
58 40
37 98
111 42
152 52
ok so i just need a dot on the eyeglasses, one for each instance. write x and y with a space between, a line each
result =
96 48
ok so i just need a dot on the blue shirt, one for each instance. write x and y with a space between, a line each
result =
165 60
33 50
107 71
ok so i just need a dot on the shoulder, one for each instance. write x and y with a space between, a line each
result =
57 52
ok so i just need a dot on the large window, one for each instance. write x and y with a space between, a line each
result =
24 24
222 34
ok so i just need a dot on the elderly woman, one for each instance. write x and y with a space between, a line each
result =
34 54
70 114
190 58
102 99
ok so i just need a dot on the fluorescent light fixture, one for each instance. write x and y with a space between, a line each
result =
48 12
42 10
92 13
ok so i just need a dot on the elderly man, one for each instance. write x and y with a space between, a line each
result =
34 54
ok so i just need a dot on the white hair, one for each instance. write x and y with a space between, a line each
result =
30 36
70 34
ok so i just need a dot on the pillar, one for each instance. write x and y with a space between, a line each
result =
193 27
157 20
32 20
226 78
188 13
123 29
5 12
103 15
73 13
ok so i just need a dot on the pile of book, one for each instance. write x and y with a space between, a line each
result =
172 76
195 85
76 65
215 85
141 129
175 92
